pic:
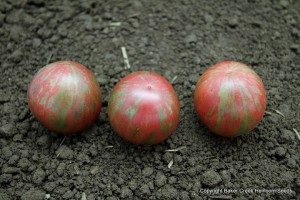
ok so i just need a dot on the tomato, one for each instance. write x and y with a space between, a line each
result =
143 108
230 99
65 97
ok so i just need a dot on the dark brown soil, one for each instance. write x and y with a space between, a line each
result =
174 38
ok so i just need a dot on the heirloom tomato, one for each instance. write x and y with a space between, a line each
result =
230 99
143 108
65 97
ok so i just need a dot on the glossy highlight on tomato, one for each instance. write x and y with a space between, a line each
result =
230 99
65 97
143 108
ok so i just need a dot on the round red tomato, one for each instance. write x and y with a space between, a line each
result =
65 97
143 108
230 99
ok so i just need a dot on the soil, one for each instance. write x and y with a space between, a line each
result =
176 39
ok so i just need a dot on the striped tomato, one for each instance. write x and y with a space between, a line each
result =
65 97
143 108
230 99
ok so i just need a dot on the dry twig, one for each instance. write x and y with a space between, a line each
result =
208 157
177 149
94 170
268 113
126 61
83 197
297 133
49 58
63 140
108 147
278 112
174 79
115 24
170 163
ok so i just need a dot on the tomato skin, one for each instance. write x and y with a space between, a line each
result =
65 97
143 108
230 99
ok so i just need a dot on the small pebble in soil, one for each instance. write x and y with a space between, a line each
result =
44 141
168 191
208 18
184 195
291 163
50 186
280 151
102 80
286 136
233 22
6 153
33 194
133 184
284 3
287 177
16 32
16 56
192 38
24 112
13 159
8 130
196 185
10 170
5 178
172 180
295 47
145 190
225 175
147 171
24 164
211 178
3 98
160 179
60 169
65 152
126 192
38 176
36 42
